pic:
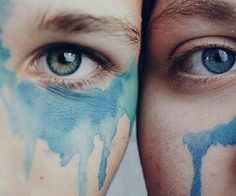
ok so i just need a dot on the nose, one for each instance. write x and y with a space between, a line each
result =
12 178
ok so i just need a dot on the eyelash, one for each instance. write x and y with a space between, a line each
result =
186 82
105 68
175 60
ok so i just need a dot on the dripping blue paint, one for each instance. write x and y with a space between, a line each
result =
199 144
67 120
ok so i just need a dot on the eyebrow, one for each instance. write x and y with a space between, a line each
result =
212 10
85 23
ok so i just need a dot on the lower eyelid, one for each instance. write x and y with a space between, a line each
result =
97 80
197 85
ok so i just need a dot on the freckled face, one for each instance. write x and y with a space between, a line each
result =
67 98
187 131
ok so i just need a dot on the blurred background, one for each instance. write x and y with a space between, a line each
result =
129 178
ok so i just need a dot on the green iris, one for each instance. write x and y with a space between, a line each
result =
64 61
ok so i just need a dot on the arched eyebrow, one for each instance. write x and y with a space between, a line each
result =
85 23
213 10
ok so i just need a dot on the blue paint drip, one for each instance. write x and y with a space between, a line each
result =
53 115
199 144
66 120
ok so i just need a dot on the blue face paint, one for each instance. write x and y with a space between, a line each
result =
66 120
199 144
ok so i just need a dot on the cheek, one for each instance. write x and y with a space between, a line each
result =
165 158
68 124
47 170
66 121
184 142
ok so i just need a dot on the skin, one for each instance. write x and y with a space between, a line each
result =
187 131
59 139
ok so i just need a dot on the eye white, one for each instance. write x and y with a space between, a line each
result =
87 67
194 64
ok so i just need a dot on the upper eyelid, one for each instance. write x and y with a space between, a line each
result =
85 51
176 58
205 42
223 39
195 46
199 48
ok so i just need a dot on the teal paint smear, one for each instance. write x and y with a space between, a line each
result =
199 144
52 118
66 120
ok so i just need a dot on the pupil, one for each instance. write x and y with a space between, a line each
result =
64 62
217 60
66 58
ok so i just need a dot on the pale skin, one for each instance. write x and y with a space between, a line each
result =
65 128
187 112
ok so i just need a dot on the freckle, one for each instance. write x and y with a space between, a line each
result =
213 175
46 151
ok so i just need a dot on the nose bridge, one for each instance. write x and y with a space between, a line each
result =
12 178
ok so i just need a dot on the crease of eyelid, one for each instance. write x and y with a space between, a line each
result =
214 10
85 23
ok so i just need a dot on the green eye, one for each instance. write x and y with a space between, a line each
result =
63 61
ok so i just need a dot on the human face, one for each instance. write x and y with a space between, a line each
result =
187 130
68 90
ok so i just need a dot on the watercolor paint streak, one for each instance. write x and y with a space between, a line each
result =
67 120
199 144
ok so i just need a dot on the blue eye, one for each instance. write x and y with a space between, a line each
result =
217 60
64 61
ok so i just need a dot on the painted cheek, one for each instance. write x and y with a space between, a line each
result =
199 144
69 121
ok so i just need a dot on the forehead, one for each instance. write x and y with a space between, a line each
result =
183 5
212 11
115 8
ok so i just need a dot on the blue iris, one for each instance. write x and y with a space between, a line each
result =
63 61
218 60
